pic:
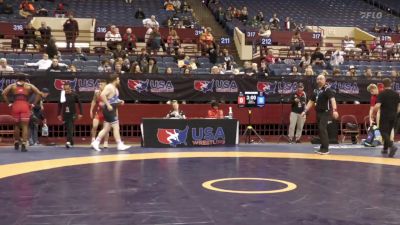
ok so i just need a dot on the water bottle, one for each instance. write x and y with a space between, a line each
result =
230 113
45 130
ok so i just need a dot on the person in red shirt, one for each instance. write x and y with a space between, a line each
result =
26 9
215 112
270 58
129 40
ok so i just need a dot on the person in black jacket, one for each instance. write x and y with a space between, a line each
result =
71 30
298 101
45 33
57 66
29 36
51 48
67 111
139 14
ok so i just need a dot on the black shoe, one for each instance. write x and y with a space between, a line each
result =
16 146
384 151
23 148
393 150
290 140
298 141
68 145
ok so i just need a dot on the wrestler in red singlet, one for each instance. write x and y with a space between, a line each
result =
20 108
96 112
99 112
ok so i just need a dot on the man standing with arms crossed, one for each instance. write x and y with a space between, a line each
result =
324 100
20 108
388 103
110 98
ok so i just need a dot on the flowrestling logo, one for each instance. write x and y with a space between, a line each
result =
219 86
153 86
81 85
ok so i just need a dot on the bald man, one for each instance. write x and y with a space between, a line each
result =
323 99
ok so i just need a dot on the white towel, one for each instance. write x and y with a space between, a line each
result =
62 97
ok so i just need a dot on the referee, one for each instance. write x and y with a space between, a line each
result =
324 100
388 103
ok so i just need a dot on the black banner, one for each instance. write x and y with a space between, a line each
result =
172 133
197 88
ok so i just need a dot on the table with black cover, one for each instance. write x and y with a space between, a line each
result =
167 133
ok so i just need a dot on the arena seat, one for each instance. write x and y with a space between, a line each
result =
311 12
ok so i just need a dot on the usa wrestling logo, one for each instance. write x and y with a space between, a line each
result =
172 137
204 85
266 87
138 85
59 84
154 86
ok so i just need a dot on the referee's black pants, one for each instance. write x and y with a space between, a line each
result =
386 124
322 121
69 119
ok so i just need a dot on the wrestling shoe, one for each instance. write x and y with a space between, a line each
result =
68 144
96 146
23 148
105 144
122 147
323 153
392 152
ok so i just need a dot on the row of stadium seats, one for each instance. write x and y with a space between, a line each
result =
321 12
106 12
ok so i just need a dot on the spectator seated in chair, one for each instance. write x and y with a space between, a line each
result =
113 37
215 112
139 14
318 58
29 36
129 40
42 64
26 9
6 8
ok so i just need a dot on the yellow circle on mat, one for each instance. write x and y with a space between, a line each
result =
289 186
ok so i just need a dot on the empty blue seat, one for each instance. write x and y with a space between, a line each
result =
90 63
19 61
168 59
93 57
25 56
12 56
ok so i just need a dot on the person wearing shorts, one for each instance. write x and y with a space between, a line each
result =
96 112
110 98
